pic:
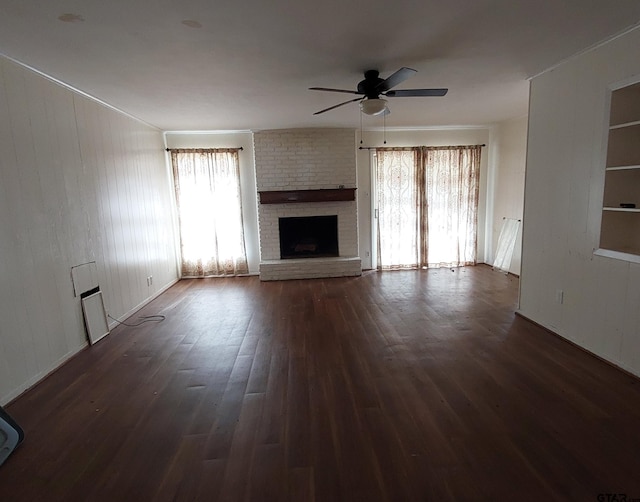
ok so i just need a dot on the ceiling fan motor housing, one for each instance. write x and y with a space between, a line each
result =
369 84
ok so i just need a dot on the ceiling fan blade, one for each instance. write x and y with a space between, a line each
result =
339 104
400 76
333 90
405 93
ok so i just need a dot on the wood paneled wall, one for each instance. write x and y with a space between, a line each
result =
592 300
79 182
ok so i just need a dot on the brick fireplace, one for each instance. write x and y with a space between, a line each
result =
290 165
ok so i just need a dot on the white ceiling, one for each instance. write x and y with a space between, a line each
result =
247 64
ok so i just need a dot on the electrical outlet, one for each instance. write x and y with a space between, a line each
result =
559 296
150 280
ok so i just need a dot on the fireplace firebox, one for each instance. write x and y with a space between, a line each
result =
308 236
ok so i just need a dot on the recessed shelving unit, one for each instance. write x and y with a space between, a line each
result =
620 225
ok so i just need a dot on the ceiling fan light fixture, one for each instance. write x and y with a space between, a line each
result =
373 106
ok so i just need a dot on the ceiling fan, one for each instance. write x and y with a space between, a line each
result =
372 87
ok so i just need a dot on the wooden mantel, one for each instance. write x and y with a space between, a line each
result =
320 195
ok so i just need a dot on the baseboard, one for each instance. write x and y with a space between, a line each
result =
26 386
15 394
142 304
624 370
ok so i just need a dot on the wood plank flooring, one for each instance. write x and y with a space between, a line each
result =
395 386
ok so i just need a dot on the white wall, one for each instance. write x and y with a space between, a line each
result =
244 139
509 145
563 200
79 182
424 137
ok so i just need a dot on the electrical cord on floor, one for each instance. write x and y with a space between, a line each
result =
145 318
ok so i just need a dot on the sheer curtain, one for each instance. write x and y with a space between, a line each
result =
427 202
452 187
398 201
207 184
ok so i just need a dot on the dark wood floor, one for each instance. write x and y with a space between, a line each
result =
396 386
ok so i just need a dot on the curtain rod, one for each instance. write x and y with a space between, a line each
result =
170 149
409 147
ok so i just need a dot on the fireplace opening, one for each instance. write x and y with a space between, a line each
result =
308 236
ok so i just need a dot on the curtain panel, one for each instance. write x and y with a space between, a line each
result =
209 203
452 187
400 207
427 201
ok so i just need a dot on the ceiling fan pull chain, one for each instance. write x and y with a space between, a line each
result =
384 128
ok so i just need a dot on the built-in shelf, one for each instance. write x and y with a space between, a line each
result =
618 255
623 168
626 124
622 209
620 226
319 195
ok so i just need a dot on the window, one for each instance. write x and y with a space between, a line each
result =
207 185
